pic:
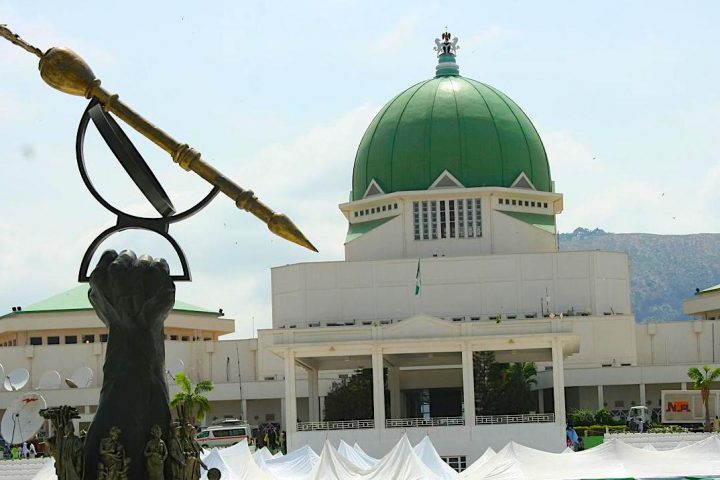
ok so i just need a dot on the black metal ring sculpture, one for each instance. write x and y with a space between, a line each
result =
140 173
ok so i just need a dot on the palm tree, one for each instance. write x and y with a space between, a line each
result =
518 380
702 380
190 402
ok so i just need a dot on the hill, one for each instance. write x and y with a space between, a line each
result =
665 270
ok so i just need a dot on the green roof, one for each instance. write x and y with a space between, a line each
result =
450 123
710 289
538 220
357 230
77 299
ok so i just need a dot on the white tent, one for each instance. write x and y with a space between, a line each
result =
427 453
362 460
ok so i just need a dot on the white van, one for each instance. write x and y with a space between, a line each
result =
223 435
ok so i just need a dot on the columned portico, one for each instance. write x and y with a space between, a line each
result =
432 359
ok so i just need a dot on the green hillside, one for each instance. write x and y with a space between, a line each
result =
665 270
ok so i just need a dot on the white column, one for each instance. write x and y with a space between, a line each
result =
468 387
321 414
282 414
558 382
244 413
642 395
394 387
378 389
601 397
290 397
313 396
683 385
541 400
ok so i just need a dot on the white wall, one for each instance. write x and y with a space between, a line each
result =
324 292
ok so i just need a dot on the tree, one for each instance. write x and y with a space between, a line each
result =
190 402
351 398
516 389
488 380
702 380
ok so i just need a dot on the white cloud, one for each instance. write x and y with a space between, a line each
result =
484 38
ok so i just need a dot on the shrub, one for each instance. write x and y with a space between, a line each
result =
581 418
604 417
592 430
668 429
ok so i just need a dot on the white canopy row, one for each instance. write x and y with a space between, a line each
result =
613 459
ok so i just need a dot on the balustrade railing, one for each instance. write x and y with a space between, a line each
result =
520 418
335 425
423 422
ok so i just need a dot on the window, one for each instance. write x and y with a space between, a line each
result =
88 338
185 338
527 204
500 201
35 340
443 227
426 225
355 214
451 212
361 213
461 219
470 226
372 210
53 340
70 339
513 202
173 337
103 337
457 463
544 204
433 220
416 220
478 218
532 204
202 435
384 208
395 206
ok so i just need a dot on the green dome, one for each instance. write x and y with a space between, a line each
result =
451 123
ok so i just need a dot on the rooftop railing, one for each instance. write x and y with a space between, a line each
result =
520 418
423 422
335 425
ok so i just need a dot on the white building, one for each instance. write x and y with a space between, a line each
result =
451 249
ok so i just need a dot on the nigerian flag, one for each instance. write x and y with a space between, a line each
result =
418 279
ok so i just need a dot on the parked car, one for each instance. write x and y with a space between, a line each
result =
223 435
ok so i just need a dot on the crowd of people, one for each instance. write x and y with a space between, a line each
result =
269 435
16 452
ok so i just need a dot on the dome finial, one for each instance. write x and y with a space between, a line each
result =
446 50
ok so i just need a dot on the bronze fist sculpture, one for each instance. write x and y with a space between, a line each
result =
133 297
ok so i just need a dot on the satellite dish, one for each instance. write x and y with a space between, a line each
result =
22 419
49 380
16 379
175 367
80 378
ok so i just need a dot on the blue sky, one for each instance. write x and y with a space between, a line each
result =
626 96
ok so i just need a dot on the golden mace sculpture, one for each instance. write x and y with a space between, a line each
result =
64 70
